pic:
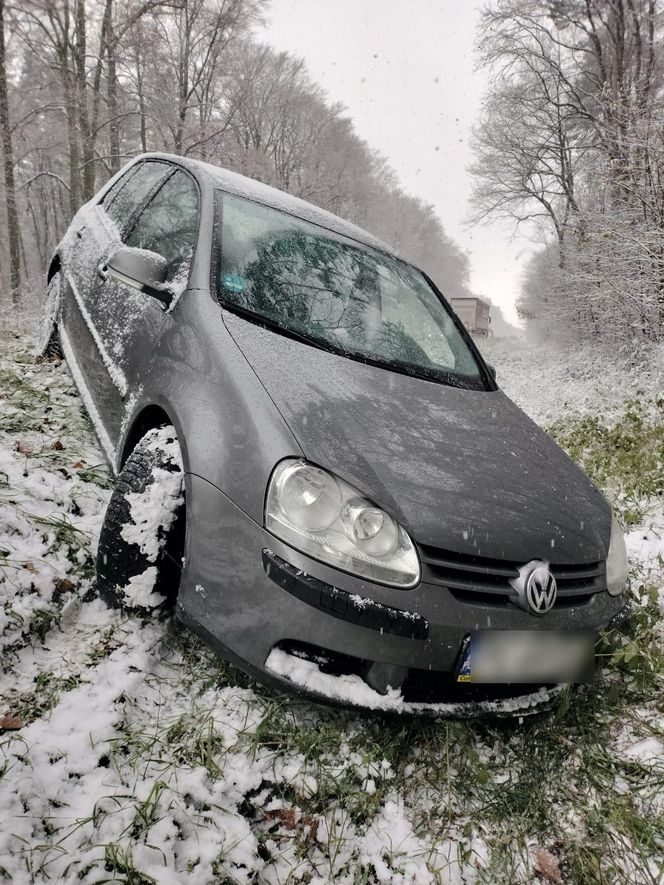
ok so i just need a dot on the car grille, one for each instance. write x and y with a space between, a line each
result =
485 581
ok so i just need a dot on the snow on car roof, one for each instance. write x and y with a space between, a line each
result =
251 189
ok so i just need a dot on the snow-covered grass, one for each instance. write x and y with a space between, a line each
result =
552 382
131 753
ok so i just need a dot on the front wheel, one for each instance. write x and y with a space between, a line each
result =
141 545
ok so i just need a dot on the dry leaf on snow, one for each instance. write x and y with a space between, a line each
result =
547 866
64 585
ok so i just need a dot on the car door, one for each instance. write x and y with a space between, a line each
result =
128 320
95 232
85 244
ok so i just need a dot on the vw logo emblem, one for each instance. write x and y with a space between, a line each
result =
541 589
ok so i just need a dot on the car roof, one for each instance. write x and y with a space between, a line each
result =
241 186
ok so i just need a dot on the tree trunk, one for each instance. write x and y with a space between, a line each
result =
112 95
87 136
183 78
72 135
8 153
140 89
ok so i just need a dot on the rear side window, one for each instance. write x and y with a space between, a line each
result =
169 223
127 194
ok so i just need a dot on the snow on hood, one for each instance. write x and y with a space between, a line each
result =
462 470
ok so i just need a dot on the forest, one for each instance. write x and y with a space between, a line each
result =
571 147
87 84
568 150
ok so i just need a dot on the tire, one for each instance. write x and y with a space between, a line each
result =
48 346
141 544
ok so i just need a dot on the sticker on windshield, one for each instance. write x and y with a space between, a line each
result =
234 283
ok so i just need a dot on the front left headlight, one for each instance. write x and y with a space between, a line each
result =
616 560
322 515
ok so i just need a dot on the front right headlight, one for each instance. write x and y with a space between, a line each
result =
322 515
616 561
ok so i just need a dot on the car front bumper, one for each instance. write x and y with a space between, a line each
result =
265 606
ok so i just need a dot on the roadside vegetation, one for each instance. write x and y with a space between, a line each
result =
626 459
131 754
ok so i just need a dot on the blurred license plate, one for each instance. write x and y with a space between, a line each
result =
527 656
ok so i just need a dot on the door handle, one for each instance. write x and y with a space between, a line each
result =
102 271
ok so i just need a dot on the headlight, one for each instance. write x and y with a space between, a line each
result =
320 514
616 561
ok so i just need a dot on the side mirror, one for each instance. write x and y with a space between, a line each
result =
141 269
492 370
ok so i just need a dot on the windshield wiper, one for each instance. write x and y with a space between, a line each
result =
437 376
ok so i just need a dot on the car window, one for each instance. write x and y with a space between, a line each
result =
363 304
127 194
113 191
168 224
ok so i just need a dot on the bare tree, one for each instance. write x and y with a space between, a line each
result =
571 135
101 80
13 234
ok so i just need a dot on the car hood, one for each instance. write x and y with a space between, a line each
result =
462 470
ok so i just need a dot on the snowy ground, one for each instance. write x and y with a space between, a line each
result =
550 383
130 753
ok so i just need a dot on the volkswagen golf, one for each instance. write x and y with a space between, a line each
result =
315 468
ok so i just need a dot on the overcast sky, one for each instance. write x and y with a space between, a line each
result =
405 70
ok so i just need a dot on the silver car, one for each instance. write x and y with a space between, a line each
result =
315 466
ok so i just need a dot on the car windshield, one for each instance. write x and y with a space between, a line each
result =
307 282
